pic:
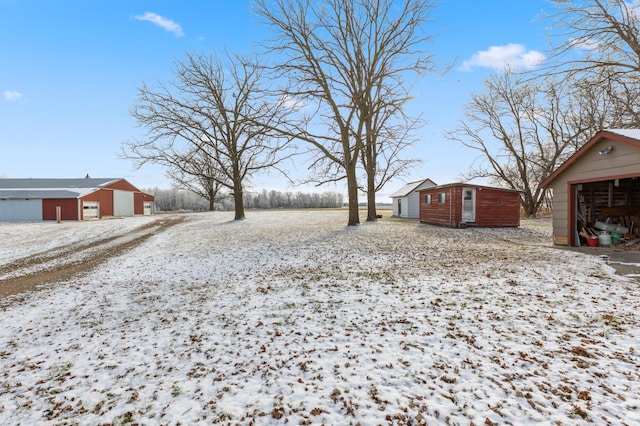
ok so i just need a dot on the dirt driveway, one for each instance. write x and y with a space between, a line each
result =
32 272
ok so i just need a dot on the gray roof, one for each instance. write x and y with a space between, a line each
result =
37 188
40 183
409 188
24 194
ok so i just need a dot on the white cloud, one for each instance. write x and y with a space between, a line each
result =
293 103
164 23
586 44
11 95
514 56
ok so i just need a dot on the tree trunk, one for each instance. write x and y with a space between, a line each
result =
238 197
352 192
212 199
372 215
529 206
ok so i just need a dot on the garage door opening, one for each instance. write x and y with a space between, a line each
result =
90 210
611 206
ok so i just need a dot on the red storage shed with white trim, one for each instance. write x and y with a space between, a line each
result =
459 205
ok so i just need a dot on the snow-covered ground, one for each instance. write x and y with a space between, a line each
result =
30 238
293 317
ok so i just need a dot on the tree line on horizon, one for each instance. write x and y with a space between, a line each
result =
176 199
333 82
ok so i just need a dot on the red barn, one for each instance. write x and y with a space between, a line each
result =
459 205
71 199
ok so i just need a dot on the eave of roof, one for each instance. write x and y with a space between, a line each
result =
627 136
467 184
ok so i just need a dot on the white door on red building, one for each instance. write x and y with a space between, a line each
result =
468 204
90 210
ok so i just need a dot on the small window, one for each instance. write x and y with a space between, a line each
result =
427 199
442 197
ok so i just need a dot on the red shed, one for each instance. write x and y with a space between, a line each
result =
71 199
459 205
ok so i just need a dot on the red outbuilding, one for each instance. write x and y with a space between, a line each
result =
71 199
460 205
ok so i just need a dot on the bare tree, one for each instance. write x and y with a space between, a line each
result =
388 131
198 174
597 43
211 112
607 99
595 34
523 131
346 60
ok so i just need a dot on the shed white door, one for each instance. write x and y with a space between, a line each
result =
147 208
468 205
20 210
122 203
90 210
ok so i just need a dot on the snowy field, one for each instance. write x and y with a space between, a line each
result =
291 317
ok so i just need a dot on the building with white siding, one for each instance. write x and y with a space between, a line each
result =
406 200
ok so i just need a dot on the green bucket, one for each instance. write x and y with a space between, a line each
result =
615 237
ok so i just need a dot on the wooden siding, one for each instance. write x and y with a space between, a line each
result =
622 162
494 207
68 207
443 214
560 207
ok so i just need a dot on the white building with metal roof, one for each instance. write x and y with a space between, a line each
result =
406 200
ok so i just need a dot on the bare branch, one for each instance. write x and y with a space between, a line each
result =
206 124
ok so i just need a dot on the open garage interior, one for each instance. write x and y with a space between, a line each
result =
610 207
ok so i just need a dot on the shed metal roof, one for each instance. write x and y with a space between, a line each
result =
25 194
409 188
46 183
48 188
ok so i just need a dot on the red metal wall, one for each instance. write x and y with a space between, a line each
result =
138 201
122 185
69 209
105 198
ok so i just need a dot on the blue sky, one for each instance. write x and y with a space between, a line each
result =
69 72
